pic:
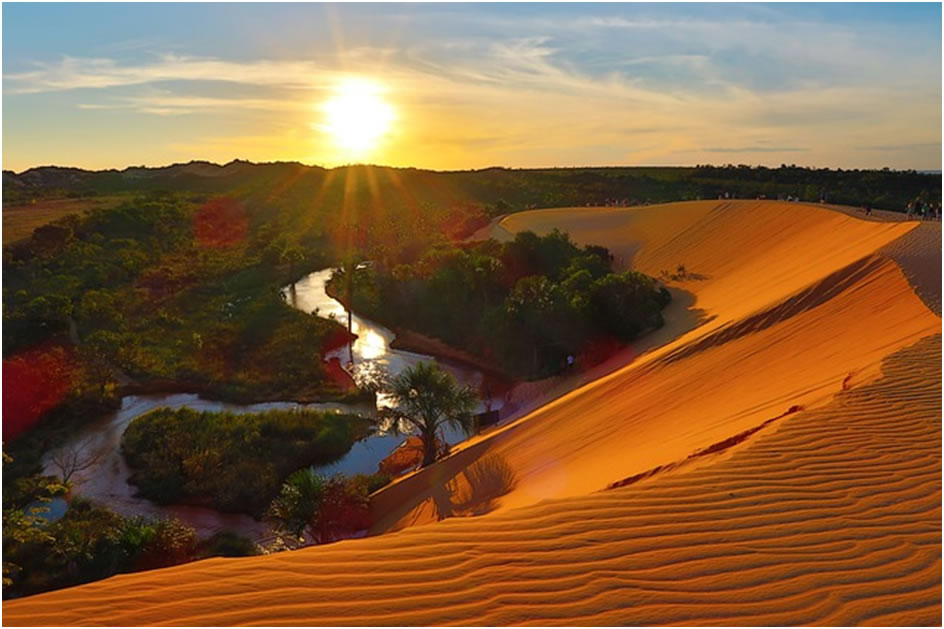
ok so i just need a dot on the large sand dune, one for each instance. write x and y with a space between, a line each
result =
779 462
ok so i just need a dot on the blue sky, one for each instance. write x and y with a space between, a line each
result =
111 85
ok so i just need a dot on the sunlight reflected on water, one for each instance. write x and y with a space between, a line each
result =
369 344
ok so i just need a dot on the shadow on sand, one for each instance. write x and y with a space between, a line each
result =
476 490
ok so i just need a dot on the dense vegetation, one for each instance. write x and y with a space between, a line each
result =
232 462
883 189
150 288
89 541
525 304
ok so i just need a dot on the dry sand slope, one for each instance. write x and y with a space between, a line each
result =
778 464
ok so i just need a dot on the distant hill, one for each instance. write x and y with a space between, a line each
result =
500 189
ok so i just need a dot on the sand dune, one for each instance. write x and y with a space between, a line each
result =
793 304
780 463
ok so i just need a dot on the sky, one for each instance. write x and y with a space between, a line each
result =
458 86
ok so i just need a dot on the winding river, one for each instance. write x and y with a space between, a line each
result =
373 340
106 481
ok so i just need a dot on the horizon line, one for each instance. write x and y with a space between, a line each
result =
461 170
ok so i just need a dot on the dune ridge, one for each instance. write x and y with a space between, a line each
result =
788 446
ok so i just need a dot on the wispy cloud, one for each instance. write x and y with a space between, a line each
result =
77 73
901 147
167 103
756 149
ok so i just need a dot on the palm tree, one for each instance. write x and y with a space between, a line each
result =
427 398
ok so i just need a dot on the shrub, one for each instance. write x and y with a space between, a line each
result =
233 462
324 508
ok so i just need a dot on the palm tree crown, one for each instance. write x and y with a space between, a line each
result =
427 398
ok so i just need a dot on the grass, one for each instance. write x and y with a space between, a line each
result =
20 220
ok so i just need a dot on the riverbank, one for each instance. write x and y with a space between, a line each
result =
314 394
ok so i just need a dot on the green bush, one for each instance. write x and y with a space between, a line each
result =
232 462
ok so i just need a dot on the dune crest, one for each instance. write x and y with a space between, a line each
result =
780 463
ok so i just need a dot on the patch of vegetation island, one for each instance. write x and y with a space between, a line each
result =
232 462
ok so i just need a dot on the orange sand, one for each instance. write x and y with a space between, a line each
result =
780 461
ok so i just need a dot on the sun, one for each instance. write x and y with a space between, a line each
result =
357 117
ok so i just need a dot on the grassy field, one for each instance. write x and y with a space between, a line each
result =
20 220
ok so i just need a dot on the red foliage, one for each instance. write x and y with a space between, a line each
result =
220 222
336 339
463 221
343 511
598 351
34 382
336 374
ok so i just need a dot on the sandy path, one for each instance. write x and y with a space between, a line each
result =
743 513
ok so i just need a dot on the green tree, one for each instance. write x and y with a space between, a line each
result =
426 398
23 524
537 309
487 271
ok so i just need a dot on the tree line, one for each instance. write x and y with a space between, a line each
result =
525 305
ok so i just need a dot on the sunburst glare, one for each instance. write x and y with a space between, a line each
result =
357 117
